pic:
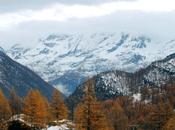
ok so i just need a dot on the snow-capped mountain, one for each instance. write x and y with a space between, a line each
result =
115 83
19 77
59 56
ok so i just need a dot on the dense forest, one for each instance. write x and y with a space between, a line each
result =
153 110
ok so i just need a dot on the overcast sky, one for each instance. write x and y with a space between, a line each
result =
25 21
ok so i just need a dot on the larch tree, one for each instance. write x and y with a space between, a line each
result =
159 115
59 110
118 117
36 109
170 94
89 114
15 102
5 111
170 124
126 103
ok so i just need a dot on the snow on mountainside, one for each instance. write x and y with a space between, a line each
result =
79 54
156 74
161 72
111 84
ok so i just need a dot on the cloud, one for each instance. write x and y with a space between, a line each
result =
159 25
33 21
57 12
62 89
16 5
62 12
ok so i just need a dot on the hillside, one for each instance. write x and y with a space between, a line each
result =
116 83
19 77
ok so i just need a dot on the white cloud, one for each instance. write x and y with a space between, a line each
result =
26 25
61 12
62 89
55 13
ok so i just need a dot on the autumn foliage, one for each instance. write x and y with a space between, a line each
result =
89 114
35 108
154 110
59 110
5 111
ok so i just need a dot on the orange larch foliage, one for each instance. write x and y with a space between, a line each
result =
35 109
5 111
89 114
59 110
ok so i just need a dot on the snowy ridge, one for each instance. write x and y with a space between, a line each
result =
161 72
59 54
111 84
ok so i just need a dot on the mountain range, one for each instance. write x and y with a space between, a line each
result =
66 60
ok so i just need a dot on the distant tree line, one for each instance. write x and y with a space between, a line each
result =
153 111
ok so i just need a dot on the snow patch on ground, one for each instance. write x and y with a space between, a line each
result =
61 127
137 97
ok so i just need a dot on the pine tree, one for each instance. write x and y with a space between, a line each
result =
58 108
89 114
36 109
5 111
